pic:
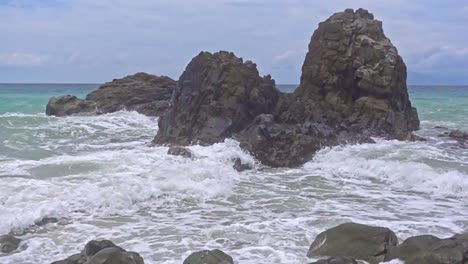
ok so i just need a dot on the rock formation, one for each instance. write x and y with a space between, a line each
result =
218 95
354 76
353 86
142 92
102 252
377 244
209 257
355 241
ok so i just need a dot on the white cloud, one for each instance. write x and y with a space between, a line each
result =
22 59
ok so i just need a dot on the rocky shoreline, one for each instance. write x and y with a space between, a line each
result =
352 88
347 243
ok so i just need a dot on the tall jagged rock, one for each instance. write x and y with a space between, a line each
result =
218 95
145 93
353 76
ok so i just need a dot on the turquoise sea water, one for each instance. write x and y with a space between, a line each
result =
100 177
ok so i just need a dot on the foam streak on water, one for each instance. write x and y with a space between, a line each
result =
101 178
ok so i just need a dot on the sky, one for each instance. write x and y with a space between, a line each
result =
94 41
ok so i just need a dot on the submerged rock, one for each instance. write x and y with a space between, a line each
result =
147 94
9 243
179 151
355 241
427 249
103 252
209 257
336 260
218 95
239 166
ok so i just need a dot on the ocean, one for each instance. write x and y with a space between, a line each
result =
100 177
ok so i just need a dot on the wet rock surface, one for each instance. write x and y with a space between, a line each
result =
145 93
179 151
427 249
8 243
103 252
218 95
209 257
336 260
355 241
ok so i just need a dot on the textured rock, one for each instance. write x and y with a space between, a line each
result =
280 145
353 76
142 92
353 87
336 260
103 252
239 166
429 249
179 151
355 241
8 243
218 95
209 257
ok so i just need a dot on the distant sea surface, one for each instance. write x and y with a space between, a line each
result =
102 180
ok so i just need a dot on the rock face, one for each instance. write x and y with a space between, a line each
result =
8 243
355 241
354 76
142 92
103 252
353 87
209 257
429 249
218 95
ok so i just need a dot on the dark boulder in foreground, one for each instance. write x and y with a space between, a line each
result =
355 241
8 243
353 87
147 94
218 95
103 252
427 249
209 257
179 151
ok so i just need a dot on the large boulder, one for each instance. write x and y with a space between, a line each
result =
103 252
209 257
218 95
355 241
353 76
145 93
336 260
427 249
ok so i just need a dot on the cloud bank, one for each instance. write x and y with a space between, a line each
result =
96 41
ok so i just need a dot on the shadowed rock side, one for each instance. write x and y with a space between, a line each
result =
147 94
354 77
218 95
353 86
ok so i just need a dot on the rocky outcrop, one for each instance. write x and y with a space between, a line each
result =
218 95
8 243
103 252
355 241
142 92
353 87
427 249
354 77
209 257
